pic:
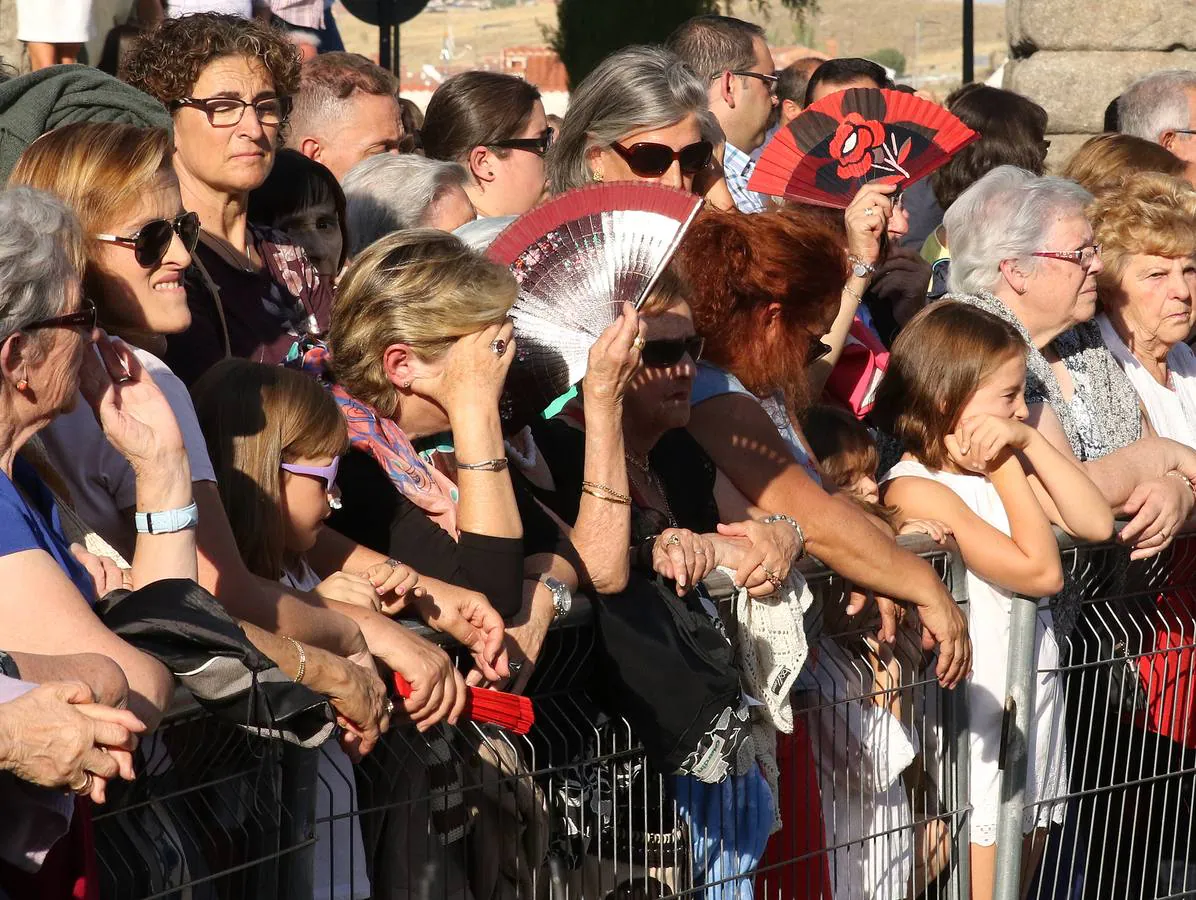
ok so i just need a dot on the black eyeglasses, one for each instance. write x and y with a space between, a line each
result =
537 145
649 160
225 112
84 319
770 81
152 239
667 352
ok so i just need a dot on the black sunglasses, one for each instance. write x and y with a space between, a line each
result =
668 352
84 319
152 240
537 145
648 160
817 349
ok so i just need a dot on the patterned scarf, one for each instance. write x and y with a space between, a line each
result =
1112 418
380 437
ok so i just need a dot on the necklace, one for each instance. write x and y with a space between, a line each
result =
652 481
222 249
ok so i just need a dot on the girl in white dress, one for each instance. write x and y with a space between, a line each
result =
954 397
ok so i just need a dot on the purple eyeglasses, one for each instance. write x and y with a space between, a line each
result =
328 473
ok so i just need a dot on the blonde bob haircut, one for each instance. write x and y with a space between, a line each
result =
101 170
254 418
420 287
1143 213
1106 159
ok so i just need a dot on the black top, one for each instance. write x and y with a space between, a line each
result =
376 515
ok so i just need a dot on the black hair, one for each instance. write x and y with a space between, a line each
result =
842 71
294 184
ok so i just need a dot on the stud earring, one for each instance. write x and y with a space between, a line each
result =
596 177
23 385
406 385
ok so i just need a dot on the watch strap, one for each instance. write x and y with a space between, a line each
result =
167 521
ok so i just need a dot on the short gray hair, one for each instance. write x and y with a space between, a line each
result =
41 253
1155 104
388 193
636 89
711 45
1007 214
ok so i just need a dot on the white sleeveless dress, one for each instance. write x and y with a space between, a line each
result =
988 612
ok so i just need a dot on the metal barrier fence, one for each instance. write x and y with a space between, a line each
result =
874 779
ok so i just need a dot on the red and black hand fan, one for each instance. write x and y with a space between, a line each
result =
487 707
850 138
577 259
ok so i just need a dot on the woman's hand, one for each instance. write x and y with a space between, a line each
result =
474 373
938 531
356 590
357 695
56 737
766 564
135 416
476 625
1158 509
106 574
524 638
394 584
981 444
944 625
437 689
684 557
867 218
613 360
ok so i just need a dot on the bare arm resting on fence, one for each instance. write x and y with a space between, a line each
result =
103 677
744 444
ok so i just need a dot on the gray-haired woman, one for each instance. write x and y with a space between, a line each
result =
641 115
390 193
47 328
1023 249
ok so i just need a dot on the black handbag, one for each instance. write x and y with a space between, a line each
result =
183 626
663 664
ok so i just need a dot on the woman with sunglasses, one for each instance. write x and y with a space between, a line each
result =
135 278
227 82
494 126
638 116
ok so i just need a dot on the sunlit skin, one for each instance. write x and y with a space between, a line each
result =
1001 393
511 183
369 125
1151 307
135 302
52 367
304 504
450 210
1056 294
826 88
608 165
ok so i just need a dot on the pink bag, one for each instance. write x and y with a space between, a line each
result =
859 371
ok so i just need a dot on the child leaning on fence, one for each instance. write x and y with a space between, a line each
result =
953 396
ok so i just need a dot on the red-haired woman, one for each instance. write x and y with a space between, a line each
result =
766 290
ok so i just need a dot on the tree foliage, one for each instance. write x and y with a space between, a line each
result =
889 57
589 30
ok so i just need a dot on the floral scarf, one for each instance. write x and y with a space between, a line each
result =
380 437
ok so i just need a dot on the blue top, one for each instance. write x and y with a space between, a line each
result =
33 524
712 381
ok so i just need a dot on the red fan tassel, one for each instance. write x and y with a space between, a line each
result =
510 711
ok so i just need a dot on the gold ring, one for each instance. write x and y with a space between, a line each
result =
673 541
638 343
88 780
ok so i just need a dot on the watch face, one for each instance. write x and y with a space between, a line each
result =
859 271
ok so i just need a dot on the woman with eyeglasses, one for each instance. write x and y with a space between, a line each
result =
640 115
1023 249
494 126
228 83
138 242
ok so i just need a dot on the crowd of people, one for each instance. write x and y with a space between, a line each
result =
250 341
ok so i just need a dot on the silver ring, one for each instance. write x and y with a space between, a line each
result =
869 210
698 551
499 346
393 563
514 666
390 707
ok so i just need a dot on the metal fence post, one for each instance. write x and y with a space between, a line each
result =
297 837
1015 756
961 742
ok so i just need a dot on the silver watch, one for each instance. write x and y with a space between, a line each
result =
861 268
562 597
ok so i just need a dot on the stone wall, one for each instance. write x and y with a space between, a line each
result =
1074 56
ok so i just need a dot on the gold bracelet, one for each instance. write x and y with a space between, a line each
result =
604 492
302 659
848 290
1186 480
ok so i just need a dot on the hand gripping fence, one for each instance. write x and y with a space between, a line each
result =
874 779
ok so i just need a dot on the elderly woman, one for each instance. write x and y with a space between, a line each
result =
47 327
1146 226
390 193
639 116
493 126
1023 249
228 84
1102 161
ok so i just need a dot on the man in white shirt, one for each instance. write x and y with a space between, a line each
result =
733 59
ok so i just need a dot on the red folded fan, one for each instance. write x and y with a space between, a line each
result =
847 139
510 711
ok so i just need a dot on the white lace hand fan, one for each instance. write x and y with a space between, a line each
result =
577 259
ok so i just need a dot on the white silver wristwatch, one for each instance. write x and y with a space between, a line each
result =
562 597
